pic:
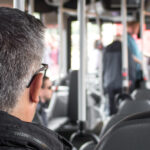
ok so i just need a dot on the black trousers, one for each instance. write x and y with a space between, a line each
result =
112 105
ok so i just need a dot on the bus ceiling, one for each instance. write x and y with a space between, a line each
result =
41 4
111 5
44 6
109 10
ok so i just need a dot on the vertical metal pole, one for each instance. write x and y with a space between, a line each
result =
81 79
103 100
19 4
142 21
31 7
125 83
86 52
60 23
101 59
64 48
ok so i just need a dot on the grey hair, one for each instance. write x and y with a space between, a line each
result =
21 51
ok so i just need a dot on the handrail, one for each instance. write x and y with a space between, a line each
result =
125 83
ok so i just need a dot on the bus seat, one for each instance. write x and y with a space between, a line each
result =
60 104
69 102
131 133
90 145
73 96
56 123
141 94
128 108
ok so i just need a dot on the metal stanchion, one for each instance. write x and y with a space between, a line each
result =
19 4
81 135
62 52
142 22
125 75
31 7
82 76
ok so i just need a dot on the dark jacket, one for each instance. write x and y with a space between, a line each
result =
112 67
18 135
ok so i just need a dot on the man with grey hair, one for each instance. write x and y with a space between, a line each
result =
21 50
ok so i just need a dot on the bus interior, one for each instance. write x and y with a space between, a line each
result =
77 34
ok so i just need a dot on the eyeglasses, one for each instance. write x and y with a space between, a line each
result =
43 68
49 87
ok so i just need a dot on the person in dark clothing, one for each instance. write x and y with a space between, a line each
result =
133 29
46 91
21 50
112 72
45 97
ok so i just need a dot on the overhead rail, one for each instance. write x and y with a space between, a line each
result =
125 75
75 13
92 15
71 12
54 2
19 4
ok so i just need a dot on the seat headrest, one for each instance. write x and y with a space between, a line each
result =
131 133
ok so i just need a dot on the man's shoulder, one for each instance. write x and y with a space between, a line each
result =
16 133
113 47
51 135
47 137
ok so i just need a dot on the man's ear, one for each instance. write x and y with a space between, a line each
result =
35 88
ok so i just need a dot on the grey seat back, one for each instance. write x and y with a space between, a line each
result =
61 104
131 133
90 145
128 108
142 94
73 97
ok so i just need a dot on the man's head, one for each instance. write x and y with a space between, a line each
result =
133 27
98 45
46 90
117 37
21 49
